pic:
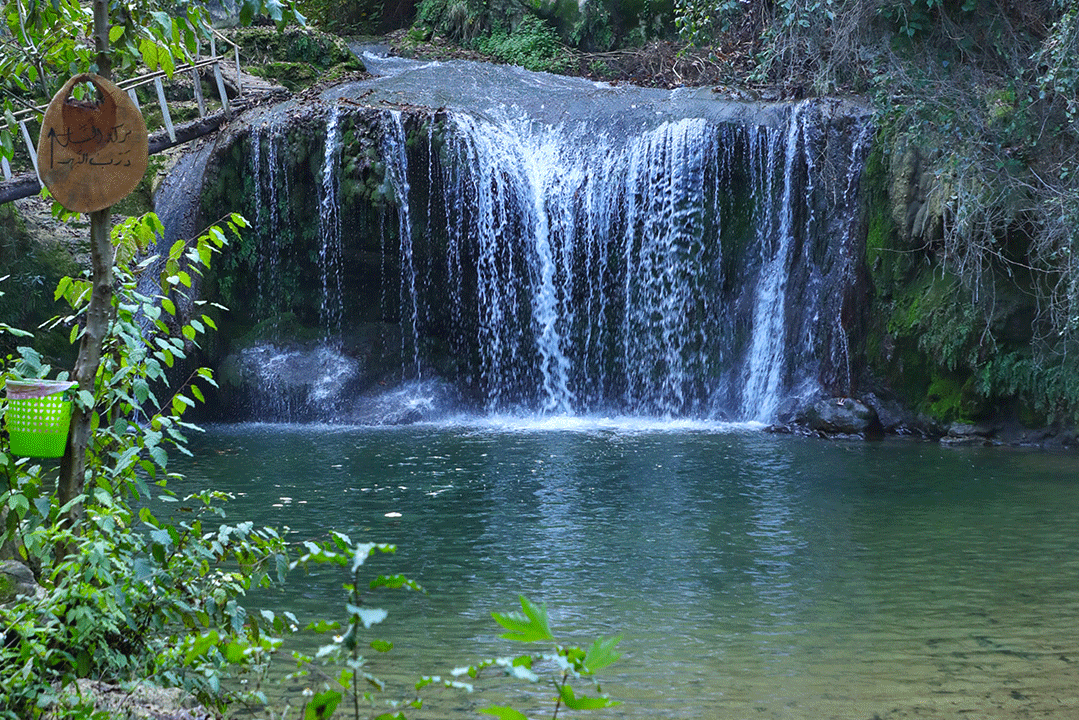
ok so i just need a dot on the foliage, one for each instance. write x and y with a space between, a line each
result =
140 594
462 21
569 663
51 40
355 678
700 22
532 44
345 16
356 682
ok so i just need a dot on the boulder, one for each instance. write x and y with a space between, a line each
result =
141 701
840 416
16 579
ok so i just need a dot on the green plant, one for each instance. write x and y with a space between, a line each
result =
568 662
345 16
139 583
532 44
700 22
355 678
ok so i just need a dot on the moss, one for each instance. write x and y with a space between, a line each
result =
7 588
260 44
34 262
954 398
293 75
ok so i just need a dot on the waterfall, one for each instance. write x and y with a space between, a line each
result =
329 223
396 158
768 349
600 281
662 266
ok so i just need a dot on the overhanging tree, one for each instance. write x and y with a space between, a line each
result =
51 40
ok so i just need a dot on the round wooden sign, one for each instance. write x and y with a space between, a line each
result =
92 153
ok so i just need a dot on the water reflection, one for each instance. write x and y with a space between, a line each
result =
753 575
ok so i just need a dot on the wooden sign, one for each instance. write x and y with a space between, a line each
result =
92 153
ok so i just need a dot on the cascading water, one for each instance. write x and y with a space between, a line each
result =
329 223
614 261
396 157
767 353
600 278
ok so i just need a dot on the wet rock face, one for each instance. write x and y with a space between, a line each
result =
577 248
840 416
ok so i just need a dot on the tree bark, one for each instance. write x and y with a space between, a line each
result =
73 466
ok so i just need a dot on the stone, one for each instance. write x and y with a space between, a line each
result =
16 579
844 416
142 701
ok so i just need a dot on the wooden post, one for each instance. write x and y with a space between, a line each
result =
221 90
73 466
198 92
164 104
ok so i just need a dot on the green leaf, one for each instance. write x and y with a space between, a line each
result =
584 702
274 10
248 11
164 22
149 51
602 653
322 705
115 33
503 712
62 287
530 626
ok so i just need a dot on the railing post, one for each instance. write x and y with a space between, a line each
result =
31 149
221 89
198 92
239 82
164 108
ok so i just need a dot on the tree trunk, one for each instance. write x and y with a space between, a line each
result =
73 466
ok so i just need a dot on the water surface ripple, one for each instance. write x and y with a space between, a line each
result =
753 576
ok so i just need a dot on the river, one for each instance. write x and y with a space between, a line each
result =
752 575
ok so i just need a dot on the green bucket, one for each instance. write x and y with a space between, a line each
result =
38 417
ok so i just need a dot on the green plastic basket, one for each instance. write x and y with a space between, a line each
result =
38 417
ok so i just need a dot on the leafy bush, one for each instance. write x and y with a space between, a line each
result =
126 588
532 44
531 625
361 17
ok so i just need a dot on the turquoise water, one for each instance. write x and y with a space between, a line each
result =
752 575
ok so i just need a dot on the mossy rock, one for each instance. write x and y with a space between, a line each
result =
293 75
263 44
955 398
33 260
